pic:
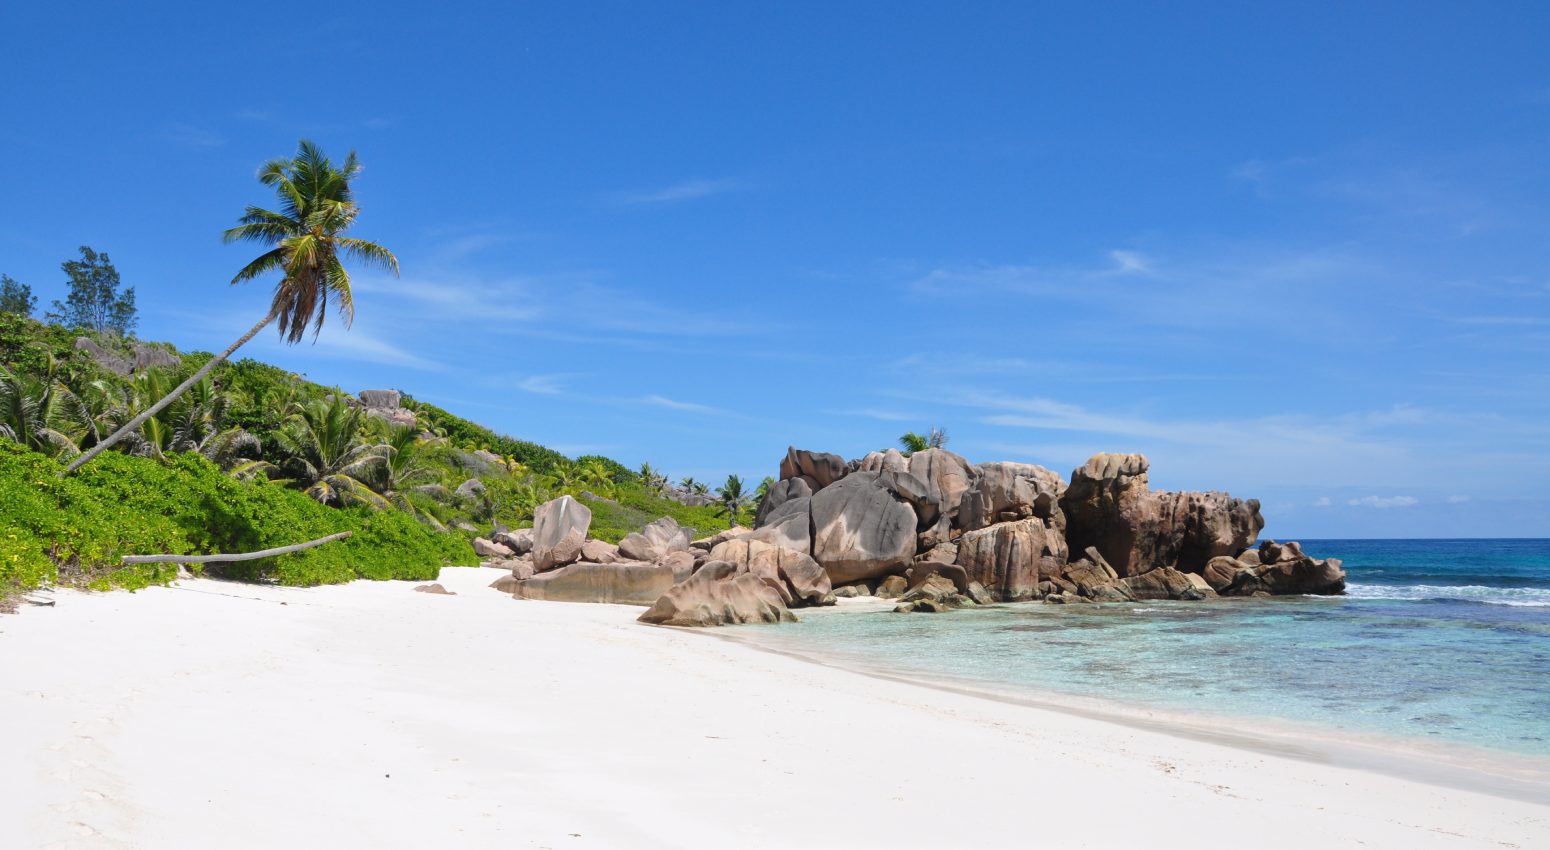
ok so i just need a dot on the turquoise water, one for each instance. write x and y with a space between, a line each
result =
1437 640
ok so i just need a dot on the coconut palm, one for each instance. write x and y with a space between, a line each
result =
404 477
595 474
30 411
912 442
327 456
653 479
316 207
732 499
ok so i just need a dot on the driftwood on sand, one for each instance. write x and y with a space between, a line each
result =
239 556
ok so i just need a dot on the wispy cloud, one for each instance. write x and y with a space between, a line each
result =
542 384
1384 502
686 406
686 191
192 136
875 413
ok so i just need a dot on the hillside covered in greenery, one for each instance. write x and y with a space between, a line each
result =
254 457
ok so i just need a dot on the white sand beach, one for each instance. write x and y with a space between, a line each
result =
225 715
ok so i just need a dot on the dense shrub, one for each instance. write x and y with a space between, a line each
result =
633 507
74 530
463 432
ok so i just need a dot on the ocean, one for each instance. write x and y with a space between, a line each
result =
1442 641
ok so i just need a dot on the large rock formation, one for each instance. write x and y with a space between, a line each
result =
1011 558
656 541
817 469
861 529
719 593
625 583
1110 506
559 530
797 577
1010 527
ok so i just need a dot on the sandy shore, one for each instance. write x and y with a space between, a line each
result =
370 716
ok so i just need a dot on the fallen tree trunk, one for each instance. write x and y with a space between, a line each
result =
239 556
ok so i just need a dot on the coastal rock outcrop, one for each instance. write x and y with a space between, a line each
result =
624 582
817 469
1004 492
797 577
1109 505
780 493
559 530
946 475
1011 558
1277 568
861 529
656 541
719 593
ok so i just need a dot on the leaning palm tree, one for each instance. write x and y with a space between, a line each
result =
327 456
316 207
732 499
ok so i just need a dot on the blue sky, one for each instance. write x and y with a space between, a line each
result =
1297 253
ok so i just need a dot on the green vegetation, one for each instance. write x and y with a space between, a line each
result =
911 442
74 530
94 303
316 207
635 506
16 297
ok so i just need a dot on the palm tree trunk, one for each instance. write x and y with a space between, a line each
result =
133 424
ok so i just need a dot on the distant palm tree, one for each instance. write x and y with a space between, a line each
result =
912 442
326 455
596 475
732 499
652 479
316 207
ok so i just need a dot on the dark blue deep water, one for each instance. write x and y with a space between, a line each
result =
1436 640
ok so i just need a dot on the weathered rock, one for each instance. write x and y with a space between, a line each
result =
946 475
559 530
519 567
718 594
434 588
1249 557
470 488
624 583
861 530
888 460
520 542
798 578
1299 574
789 526
600 552
1109 505
1004 491
780 493
915 493
942 553
1090 573
655 541
1111 593
818 469
508 583
682 563
485 548
851 591
1011 558
892 587
708 543
934 587
1161 583
381 399
1200 584
927 571
979 594
1222 570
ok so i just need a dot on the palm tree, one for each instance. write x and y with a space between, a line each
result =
654 480
596 475
732 498
405 478
912 442
29 412
326 455
316 207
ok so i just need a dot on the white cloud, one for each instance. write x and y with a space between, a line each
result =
1384 502
1130 262
1323 502
543 384
873 413
672 404
1457 500
685 191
